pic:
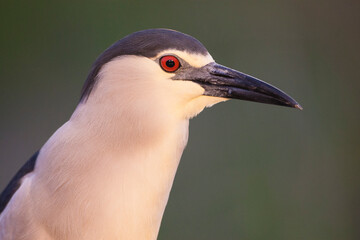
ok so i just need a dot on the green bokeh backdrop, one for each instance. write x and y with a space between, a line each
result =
250 171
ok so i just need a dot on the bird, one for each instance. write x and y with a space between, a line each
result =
107 172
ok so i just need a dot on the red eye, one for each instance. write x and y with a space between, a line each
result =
169 63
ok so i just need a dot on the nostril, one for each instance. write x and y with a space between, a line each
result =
221 73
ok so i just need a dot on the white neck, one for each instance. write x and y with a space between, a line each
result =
120 168
118 184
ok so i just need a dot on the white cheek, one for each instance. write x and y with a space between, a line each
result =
198 104
139 85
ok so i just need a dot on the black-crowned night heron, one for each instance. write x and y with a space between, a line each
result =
108 171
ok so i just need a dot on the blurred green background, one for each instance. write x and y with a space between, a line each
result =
250 171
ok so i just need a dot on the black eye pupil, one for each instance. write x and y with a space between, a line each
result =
170 63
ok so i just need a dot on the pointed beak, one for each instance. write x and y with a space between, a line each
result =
220 81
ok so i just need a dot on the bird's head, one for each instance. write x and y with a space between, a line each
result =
168 70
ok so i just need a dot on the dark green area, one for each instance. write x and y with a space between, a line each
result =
250 171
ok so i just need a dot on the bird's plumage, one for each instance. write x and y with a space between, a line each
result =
108 171
15 182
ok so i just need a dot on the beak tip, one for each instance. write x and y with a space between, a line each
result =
298 107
